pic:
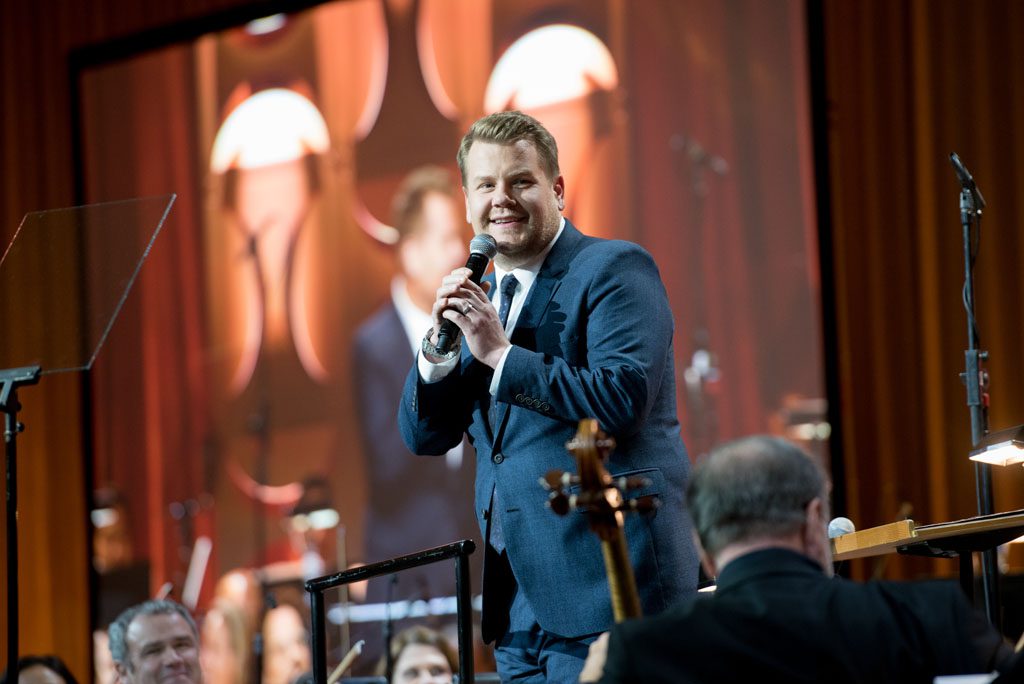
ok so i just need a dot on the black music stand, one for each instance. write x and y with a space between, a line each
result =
72 269
459 550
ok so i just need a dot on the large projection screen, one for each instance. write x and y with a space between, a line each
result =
233 400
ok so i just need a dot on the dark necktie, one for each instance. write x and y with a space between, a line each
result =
508 291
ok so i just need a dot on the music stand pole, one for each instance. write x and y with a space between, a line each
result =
10 381
975 379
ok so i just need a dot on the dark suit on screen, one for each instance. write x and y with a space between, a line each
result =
594 339
776 617
414 502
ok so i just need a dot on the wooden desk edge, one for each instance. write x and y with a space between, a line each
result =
874 541
1001 521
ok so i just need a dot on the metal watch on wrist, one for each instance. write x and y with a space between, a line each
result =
431 352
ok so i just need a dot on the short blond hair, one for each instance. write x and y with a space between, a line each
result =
506 128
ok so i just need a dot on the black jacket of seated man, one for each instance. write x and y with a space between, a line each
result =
760 509
775 614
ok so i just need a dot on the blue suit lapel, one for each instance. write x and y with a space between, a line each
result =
544 287
548 279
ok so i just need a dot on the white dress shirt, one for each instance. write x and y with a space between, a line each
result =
526 275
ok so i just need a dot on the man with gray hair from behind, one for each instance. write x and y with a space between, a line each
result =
155 642
760 510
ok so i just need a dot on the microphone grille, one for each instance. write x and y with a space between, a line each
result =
483 244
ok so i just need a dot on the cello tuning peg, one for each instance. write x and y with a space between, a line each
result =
559 503
632 483
645 504
553 480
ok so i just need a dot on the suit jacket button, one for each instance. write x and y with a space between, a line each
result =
519 397
545 407
498 457
535 403
485 513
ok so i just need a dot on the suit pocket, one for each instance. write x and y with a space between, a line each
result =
648 481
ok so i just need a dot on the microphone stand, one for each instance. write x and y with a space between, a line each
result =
701 370
975 379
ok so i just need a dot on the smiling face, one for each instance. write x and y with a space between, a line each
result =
162 649
510 197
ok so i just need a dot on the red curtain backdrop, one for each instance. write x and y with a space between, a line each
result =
149 383
907 82
37 171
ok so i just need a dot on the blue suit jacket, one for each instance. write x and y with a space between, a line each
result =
594 339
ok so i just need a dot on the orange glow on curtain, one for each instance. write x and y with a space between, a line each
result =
552 64
265 141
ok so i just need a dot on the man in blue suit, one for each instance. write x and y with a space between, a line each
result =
581 329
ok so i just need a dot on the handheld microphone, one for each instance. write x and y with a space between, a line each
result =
840 526
966 180
482 249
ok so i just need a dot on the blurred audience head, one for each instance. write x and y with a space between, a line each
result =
285 646
42 669
242 588
421 656
224 645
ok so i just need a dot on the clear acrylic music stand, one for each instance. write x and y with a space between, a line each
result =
67 272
